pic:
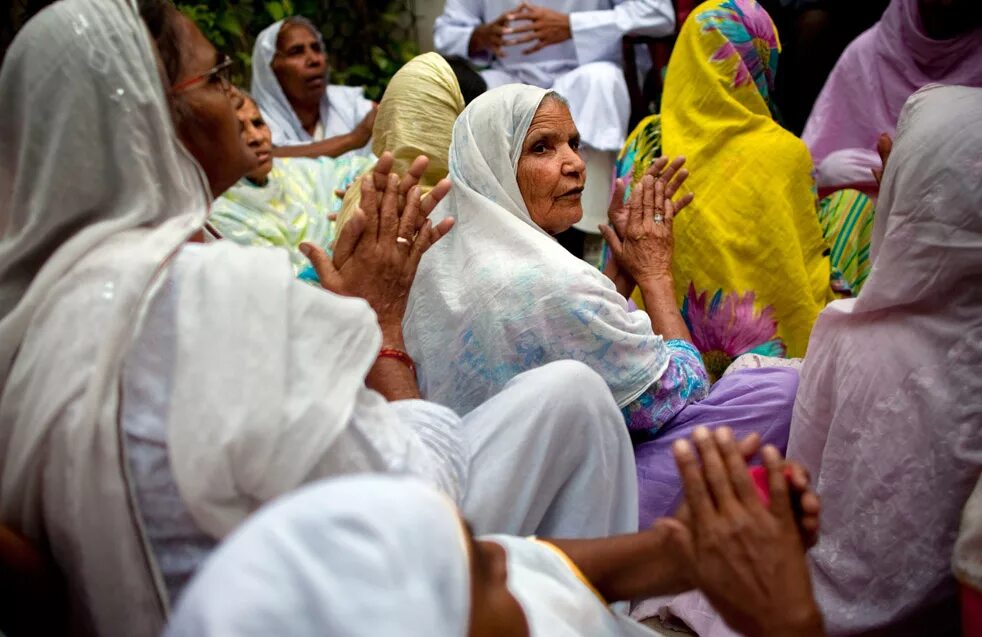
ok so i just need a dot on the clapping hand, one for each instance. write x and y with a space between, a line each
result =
378 251
746 557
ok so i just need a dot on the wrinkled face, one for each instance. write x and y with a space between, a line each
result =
299 64
551 172
494 610
258 137
205 115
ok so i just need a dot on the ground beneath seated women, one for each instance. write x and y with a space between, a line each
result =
500 296
284 201
308 116
207 379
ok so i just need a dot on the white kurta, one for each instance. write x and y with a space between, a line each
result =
585 69
548 455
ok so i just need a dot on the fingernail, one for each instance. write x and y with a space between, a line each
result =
770 453
724 434
681 446
701 433
305 249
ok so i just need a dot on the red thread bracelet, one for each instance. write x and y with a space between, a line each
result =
399 355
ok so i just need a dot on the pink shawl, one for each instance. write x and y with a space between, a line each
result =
869 85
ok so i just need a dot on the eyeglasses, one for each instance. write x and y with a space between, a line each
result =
221 72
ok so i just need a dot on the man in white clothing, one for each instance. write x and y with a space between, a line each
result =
571 46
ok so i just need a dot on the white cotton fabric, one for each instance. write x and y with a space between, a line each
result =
586 69
91 217
342 107
88 161
888 412
498 295
556 601
361 556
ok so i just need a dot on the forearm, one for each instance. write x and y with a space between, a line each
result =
627 567
331 147
625 284
391 377
659 301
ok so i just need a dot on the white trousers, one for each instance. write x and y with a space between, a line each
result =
550 455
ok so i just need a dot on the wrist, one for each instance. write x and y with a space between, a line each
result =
392 336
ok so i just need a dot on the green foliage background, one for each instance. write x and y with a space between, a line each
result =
367 40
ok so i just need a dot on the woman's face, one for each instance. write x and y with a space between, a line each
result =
299 64
494 610
257 136
551 172
205 115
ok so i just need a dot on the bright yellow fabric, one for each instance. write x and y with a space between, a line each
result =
415 117
753 226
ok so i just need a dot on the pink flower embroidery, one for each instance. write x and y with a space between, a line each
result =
729 326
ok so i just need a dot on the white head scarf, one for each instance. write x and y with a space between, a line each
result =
96 198
888 411
499 296
82 160
266 90
88 157
361 556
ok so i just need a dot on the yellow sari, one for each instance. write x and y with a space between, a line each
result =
751 266
415 117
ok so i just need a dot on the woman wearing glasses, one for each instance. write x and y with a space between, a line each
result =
154 391
307 116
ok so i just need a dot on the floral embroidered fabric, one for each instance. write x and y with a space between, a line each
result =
685 381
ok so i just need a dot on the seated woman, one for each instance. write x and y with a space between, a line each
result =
208 380
415 117
751 269
307 116
915 43
887 416
379 555
500 296
283 202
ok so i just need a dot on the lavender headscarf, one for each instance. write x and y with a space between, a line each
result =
869 85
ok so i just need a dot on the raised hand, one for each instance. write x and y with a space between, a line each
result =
543 27
672 173
646 250
884 146
747 558
379 249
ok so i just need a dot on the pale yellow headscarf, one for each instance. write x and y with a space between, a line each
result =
415 117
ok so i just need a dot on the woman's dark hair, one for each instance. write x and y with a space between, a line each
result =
160 18
470 81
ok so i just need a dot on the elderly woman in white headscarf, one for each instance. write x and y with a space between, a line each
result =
155 391
887 417
500 296
308 116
